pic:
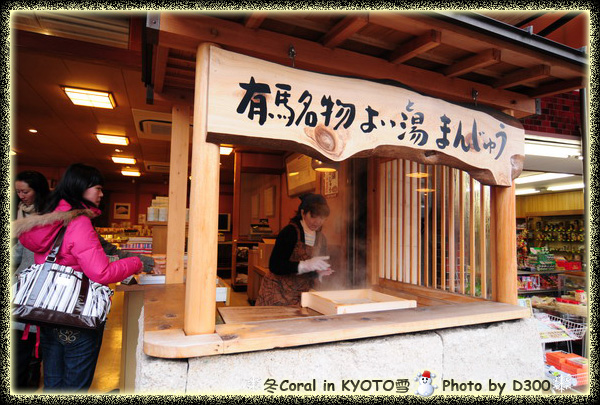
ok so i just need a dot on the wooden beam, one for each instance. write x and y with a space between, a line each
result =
505 282
479 61
161 57
416 46
523 76
558 88
178 185
344 29
201 277
254 20
183 32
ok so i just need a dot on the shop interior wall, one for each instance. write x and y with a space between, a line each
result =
549 203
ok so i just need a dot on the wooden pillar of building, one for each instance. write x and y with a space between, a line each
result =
200 292
503 216
178 181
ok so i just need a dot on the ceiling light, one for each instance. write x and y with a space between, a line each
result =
562 187
417 175
541 177
12 152
524 191
324 167
225 150
551 146
130 172
113 139
293 174
33 131
90 98
123 160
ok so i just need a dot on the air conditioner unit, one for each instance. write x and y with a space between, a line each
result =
156 167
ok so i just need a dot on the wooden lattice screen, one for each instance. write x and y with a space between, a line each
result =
434 228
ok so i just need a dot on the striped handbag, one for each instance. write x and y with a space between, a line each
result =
50 294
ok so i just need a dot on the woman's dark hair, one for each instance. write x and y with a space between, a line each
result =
313 203
72 185
38 183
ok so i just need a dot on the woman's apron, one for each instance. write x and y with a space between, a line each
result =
287 289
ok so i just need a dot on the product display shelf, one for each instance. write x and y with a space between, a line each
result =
563 375
239 262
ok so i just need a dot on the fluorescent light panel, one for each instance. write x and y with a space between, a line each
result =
524 191
130 172
417 175
112 139
123 160
541 177
563 187
225 150
90 98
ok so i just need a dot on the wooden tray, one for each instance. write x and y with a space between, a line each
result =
353 301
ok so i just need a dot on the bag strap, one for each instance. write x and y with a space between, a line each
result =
57 243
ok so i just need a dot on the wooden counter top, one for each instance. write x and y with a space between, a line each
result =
232 315
164 336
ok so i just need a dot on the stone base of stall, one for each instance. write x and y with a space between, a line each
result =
500 352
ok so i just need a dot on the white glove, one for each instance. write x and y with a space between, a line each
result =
314 264
323 273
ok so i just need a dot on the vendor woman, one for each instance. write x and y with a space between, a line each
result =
299 255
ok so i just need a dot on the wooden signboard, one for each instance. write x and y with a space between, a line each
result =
251 101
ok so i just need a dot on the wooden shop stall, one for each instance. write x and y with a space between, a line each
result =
429 103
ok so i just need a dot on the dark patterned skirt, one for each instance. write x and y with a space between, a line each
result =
284 290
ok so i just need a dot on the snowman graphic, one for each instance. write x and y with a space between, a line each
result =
425 388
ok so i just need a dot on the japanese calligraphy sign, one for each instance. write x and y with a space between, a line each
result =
251 101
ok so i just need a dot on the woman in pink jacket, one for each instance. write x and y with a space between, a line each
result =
70 355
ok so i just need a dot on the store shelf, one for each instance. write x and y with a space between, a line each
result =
567 330
547 290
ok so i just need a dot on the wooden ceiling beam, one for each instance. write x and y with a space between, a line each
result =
558 88
416 46
463 38
254 20
523 76
479 61
182 32
161 57
343 30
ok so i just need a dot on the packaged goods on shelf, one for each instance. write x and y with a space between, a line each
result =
570 363
541 259
158 209
138 244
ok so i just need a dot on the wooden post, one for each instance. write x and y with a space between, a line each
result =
178 178
503 217
200 291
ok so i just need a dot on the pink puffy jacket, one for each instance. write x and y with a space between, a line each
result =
81 247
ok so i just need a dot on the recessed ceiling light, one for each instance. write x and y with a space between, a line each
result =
130 172
33 131
90 98
112 139
123 160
